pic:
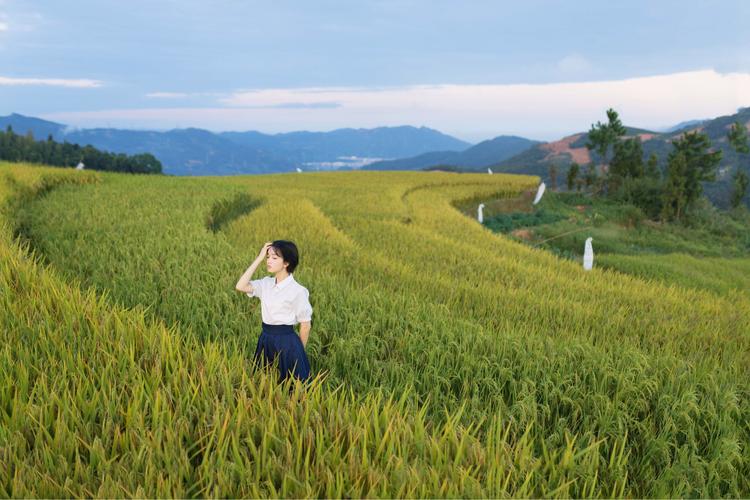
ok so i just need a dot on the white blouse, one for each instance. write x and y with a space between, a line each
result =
285 303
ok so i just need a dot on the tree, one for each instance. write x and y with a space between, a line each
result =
552 176
741 182
652 167
14 147
572 174
738 138
602 136
700 164
590 177
675 189
627 163
645 190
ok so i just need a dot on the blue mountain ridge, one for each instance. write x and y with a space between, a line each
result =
194 151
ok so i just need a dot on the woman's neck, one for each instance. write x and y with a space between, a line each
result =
281 276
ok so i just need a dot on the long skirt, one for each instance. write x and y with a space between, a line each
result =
281 343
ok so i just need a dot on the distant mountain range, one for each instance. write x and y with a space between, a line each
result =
483 154
194 151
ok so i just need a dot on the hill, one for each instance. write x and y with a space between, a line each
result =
452 361
688 124
194 151
40 128
483 154
536 160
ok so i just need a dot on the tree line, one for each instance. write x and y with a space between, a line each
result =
15 147
624 175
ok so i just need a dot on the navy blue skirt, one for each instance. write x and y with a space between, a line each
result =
281 342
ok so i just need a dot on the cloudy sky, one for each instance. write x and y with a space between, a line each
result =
473 69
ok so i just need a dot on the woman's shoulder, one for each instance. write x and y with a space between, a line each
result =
301 288
267 281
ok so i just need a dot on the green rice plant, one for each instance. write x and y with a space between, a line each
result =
720 275
229 209
453 361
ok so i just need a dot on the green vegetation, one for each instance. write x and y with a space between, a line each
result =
604 136
711 252
627 178
572 177
18 148
656 150
738 138
454 361
629 208
506 223
224 211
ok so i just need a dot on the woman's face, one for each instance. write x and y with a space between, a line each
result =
274 261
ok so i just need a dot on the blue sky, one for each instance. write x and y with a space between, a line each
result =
472 69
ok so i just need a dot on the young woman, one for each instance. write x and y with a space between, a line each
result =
284 303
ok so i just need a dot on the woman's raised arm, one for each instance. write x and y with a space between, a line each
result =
243 284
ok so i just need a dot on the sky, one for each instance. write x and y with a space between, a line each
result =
471 69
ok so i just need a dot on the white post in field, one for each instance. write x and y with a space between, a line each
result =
588 255
539 193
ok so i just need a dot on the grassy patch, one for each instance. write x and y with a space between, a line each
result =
625 240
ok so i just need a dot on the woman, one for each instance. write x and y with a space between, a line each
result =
284 303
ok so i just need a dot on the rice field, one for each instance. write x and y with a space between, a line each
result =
713 256
451 360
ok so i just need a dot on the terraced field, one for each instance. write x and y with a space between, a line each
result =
451 361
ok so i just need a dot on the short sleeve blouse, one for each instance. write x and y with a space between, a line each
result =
285 303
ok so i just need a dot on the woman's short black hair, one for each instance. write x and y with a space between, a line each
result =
288 251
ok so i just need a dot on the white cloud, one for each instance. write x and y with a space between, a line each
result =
542 111
54 82
3 26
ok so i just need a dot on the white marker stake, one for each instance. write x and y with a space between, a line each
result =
479 213
588 255
489 170
539 193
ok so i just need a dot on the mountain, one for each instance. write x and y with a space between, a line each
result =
483 154
684 125
381 142
189 151
537 159
40 128
194 151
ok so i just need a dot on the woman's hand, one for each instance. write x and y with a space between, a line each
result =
264 250
243 284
